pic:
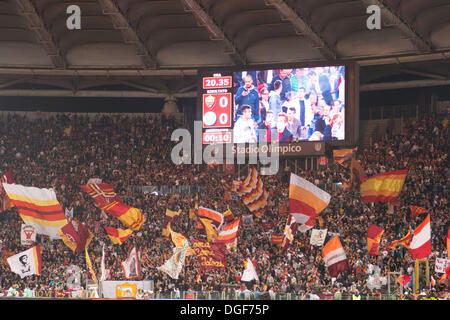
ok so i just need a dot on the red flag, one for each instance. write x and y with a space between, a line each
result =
404 279
416 211
446 275
405 241
374 235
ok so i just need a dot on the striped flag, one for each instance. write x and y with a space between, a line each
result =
76 235
131 217
132 266
38 207
343 155
118 236
306 201
289 232
374 235
229 232
383 187
416 211
215 217
405 241
420 247
26 263
404 279
106 199
334 257
252 192
277 238
102 193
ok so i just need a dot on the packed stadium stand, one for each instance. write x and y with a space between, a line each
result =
87 116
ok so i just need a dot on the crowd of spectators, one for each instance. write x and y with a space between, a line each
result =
65 151
298 104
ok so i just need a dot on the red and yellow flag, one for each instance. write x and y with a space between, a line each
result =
342 155
211 233
129 216
374 235
383 187
118 236
106 199
76 235
448 242
90 268
405 241
229 232
416 211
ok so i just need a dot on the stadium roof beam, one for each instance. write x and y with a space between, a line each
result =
130 35
422 43
402 85
303 27
216 31
27 10
93 93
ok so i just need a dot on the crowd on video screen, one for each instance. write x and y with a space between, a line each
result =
287 105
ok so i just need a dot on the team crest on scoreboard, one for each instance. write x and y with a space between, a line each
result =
210 101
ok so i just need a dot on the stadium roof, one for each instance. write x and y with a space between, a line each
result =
155 46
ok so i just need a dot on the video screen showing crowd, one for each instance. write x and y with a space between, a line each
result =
289 105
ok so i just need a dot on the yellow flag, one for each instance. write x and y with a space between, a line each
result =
210 232
90 268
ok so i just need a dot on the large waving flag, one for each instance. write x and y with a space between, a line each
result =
132 266
106 199
38 207
129 216
76 235
289 232
383 187
102 193
416 211
252 192
229 232
405 241
334 257
216 217
26 263
374 234
306 201
5 202
420 247
118 236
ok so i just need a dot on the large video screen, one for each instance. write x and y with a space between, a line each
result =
283 105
